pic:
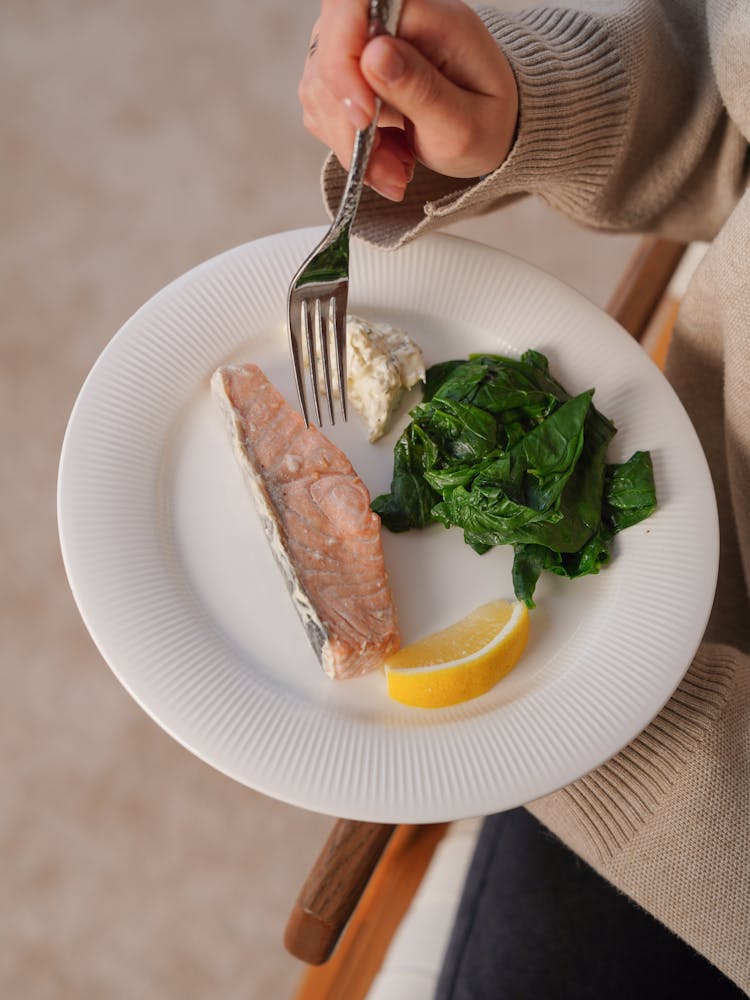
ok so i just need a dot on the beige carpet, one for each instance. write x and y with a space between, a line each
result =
138 139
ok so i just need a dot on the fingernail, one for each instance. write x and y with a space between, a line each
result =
357 115
385 61
408 164
390 191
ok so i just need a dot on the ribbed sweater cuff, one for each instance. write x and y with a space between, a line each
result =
573 100
573 106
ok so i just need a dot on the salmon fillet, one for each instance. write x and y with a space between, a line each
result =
316 514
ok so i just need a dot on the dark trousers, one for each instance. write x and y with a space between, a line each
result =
537 923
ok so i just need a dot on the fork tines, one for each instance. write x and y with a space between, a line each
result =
317 328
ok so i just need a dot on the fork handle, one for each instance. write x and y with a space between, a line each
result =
384 16
383 19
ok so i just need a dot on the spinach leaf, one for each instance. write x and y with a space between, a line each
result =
490 517
436 375
531 370
590 557
582 495
411 499
500 449
551 450
529 561
630 493
461 431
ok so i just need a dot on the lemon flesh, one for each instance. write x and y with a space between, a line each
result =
462 661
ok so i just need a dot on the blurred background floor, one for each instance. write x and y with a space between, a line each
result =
137 140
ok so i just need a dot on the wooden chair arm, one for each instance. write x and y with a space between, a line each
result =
333 888
644 282
352 969
348 859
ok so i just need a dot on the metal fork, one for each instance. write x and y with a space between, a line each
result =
318 294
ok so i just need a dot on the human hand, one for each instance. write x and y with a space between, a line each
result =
449 94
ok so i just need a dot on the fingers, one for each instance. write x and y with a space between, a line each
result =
392 161
331 120
450 35
343 36
444 84
411 84
392 165
438 109
453 85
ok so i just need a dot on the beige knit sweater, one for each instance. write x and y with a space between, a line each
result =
635 115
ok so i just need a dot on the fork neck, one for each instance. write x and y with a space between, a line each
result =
363 144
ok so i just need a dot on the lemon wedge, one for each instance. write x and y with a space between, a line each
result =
462 661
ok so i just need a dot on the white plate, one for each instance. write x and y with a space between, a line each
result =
173 577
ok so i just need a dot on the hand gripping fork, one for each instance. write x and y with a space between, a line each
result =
318 294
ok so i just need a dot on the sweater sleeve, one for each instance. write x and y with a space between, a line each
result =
665 820
621 127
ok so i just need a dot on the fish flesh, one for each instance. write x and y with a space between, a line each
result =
316 515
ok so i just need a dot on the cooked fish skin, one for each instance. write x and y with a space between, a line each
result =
316 514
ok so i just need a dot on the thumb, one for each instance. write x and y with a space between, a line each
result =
457 131
444 116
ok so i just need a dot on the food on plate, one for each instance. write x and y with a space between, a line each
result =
383 362
316 514
461 661
500 449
